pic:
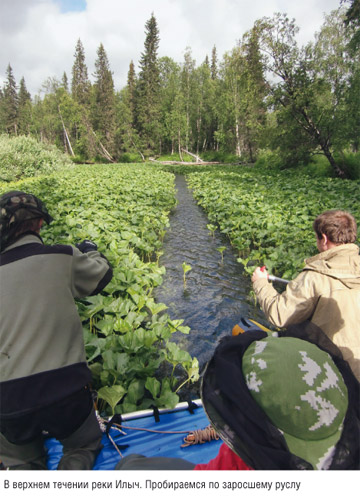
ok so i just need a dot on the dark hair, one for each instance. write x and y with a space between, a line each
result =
28 226
338 226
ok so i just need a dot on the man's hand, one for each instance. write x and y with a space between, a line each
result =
259 274
86 246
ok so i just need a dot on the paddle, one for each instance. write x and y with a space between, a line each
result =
273 277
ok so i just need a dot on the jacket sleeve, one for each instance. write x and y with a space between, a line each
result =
296 304
91 272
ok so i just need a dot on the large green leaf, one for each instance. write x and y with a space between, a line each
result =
135 391
112 395
153 385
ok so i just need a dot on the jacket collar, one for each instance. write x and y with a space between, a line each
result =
344 249
27 238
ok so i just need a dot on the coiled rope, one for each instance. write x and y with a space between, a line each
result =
199 436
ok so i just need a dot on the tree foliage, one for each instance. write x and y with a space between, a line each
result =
265 93
10 102
352 21
148 89
103 106
80 83
309 89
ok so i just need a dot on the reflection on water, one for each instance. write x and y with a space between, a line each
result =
216 294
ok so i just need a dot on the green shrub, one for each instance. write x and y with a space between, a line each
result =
129 157
268 159
350 163
223 157
24 157
79 159
175 157
319 167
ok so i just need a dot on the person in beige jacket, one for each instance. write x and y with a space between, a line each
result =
327 291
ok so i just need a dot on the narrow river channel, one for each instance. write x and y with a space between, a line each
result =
216 293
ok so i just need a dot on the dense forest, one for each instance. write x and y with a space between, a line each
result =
265 97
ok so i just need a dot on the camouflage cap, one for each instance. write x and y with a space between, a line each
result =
16 207
302 392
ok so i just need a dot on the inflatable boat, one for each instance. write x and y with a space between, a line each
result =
181 432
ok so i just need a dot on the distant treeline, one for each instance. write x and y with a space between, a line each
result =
266 94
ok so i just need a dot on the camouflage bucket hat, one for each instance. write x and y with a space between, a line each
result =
302 392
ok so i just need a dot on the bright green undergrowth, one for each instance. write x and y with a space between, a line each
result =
124 209
268 216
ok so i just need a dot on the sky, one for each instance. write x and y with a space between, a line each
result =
38 37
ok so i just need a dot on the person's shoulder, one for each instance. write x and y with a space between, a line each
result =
57 249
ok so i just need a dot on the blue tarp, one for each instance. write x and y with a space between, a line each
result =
150 444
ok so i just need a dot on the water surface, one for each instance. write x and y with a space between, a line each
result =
217 292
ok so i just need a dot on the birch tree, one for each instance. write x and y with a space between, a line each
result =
309 103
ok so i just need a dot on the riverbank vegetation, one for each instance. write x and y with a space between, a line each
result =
268 214
127 334
285 119
25 157
266 100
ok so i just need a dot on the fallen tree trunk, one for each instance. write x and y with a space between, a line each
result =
178 162
133 143
66 134
198 159
203 163
103 149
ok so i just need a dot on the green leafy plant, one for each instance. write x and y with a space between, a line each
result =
211 229
268 215
112 395
124 209
186 268
221 250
